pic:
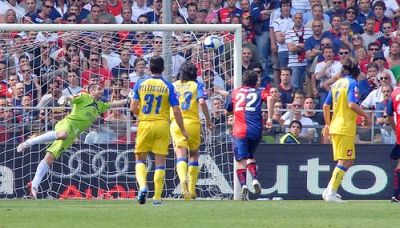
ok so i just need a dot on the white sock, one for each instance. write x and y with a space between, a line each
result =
41 170
45 138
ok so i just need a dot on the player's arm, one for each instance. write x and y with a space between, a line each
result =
327 114
352 103
179 120
204 109
120 103
134 108
390 113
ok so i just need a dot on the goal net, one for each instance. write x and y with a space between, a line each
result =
40 63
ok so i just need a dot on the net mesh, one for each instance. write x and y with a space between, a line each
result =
37 68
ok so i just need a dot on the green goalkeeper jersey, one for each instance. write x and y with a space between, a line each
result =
85 110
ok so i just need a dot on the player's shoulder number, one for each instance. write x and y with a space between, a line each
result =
245 101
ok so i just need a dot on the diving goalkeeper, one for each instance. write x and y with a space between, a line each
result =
85 109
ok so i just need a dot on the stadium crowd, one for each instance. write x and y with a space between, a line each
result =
297 48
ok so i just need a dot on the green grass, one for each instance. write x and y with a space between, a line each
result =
173 213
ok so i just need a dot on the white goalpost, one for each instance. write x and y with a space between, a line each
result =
100 163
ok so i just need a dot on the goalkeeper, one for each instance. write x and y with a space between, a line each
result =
85 109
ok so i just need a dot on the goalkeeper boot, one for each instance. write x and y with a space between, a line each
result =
25 145
257 187
142 196
244 194
185 191
32 191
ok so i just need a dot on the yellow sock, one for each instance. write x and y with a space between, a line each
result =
193 170
182 169
337 177
141 174
159 175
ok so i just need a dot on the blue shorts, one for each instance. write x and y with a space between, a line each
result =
395 155
244 148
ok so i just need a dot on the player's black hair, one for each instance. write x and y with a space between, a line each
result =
350 67
92 87
156 65
296 122
188 71
250 78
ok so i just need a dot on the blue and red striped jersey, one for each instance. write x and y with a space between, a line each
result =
245 103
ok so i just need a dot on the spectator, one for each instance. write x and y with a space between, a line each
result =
270 134
247 63
139 72
43 17
95 68
108 51
316 117
385 40
124 66
318 14
278 29
365 12
154 15
307 133
334 32
285 88
114 7
379 8
388 135
375 96
31 83
295 39
380 60
351 15
77 9
336 9
292 136
54 93
357 43
326 70
126 16
369 35
28 115
139 8
73 87
312 44
30 6
218 119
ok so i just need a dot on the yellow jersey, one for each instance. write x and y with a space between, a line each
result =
343 92
189 92
155 96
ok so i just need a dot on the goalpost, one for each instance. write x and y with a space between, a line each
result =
105 168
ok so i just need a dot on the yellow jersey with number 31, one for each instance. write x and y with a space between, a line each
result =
155 96
343 92
189 92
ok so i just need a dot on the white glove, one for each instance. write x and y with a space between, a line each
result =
63 101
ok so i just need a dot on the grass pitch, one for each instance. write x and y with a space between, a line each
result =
174 213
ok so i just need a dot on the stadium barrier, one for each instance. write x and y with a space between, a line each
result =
288 171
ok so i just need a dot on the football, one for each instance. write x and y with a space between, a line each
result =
213 42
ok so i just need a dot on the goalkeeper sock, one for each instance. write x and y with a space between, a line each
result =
45 138
141 174
241 174
336 179
41 171
182 169
193 170
396 184
252 167
159 175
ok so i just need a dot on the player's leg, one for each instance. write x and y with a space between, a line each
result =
194 129
344 153
251 164
144 143
180 145
395 155
193 171
160 150
241 155
141 176
61 130
41 171
54 151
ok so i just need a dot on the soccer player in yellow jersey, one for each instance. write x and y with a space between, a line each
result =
152 99
342 129
190 94
85 109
